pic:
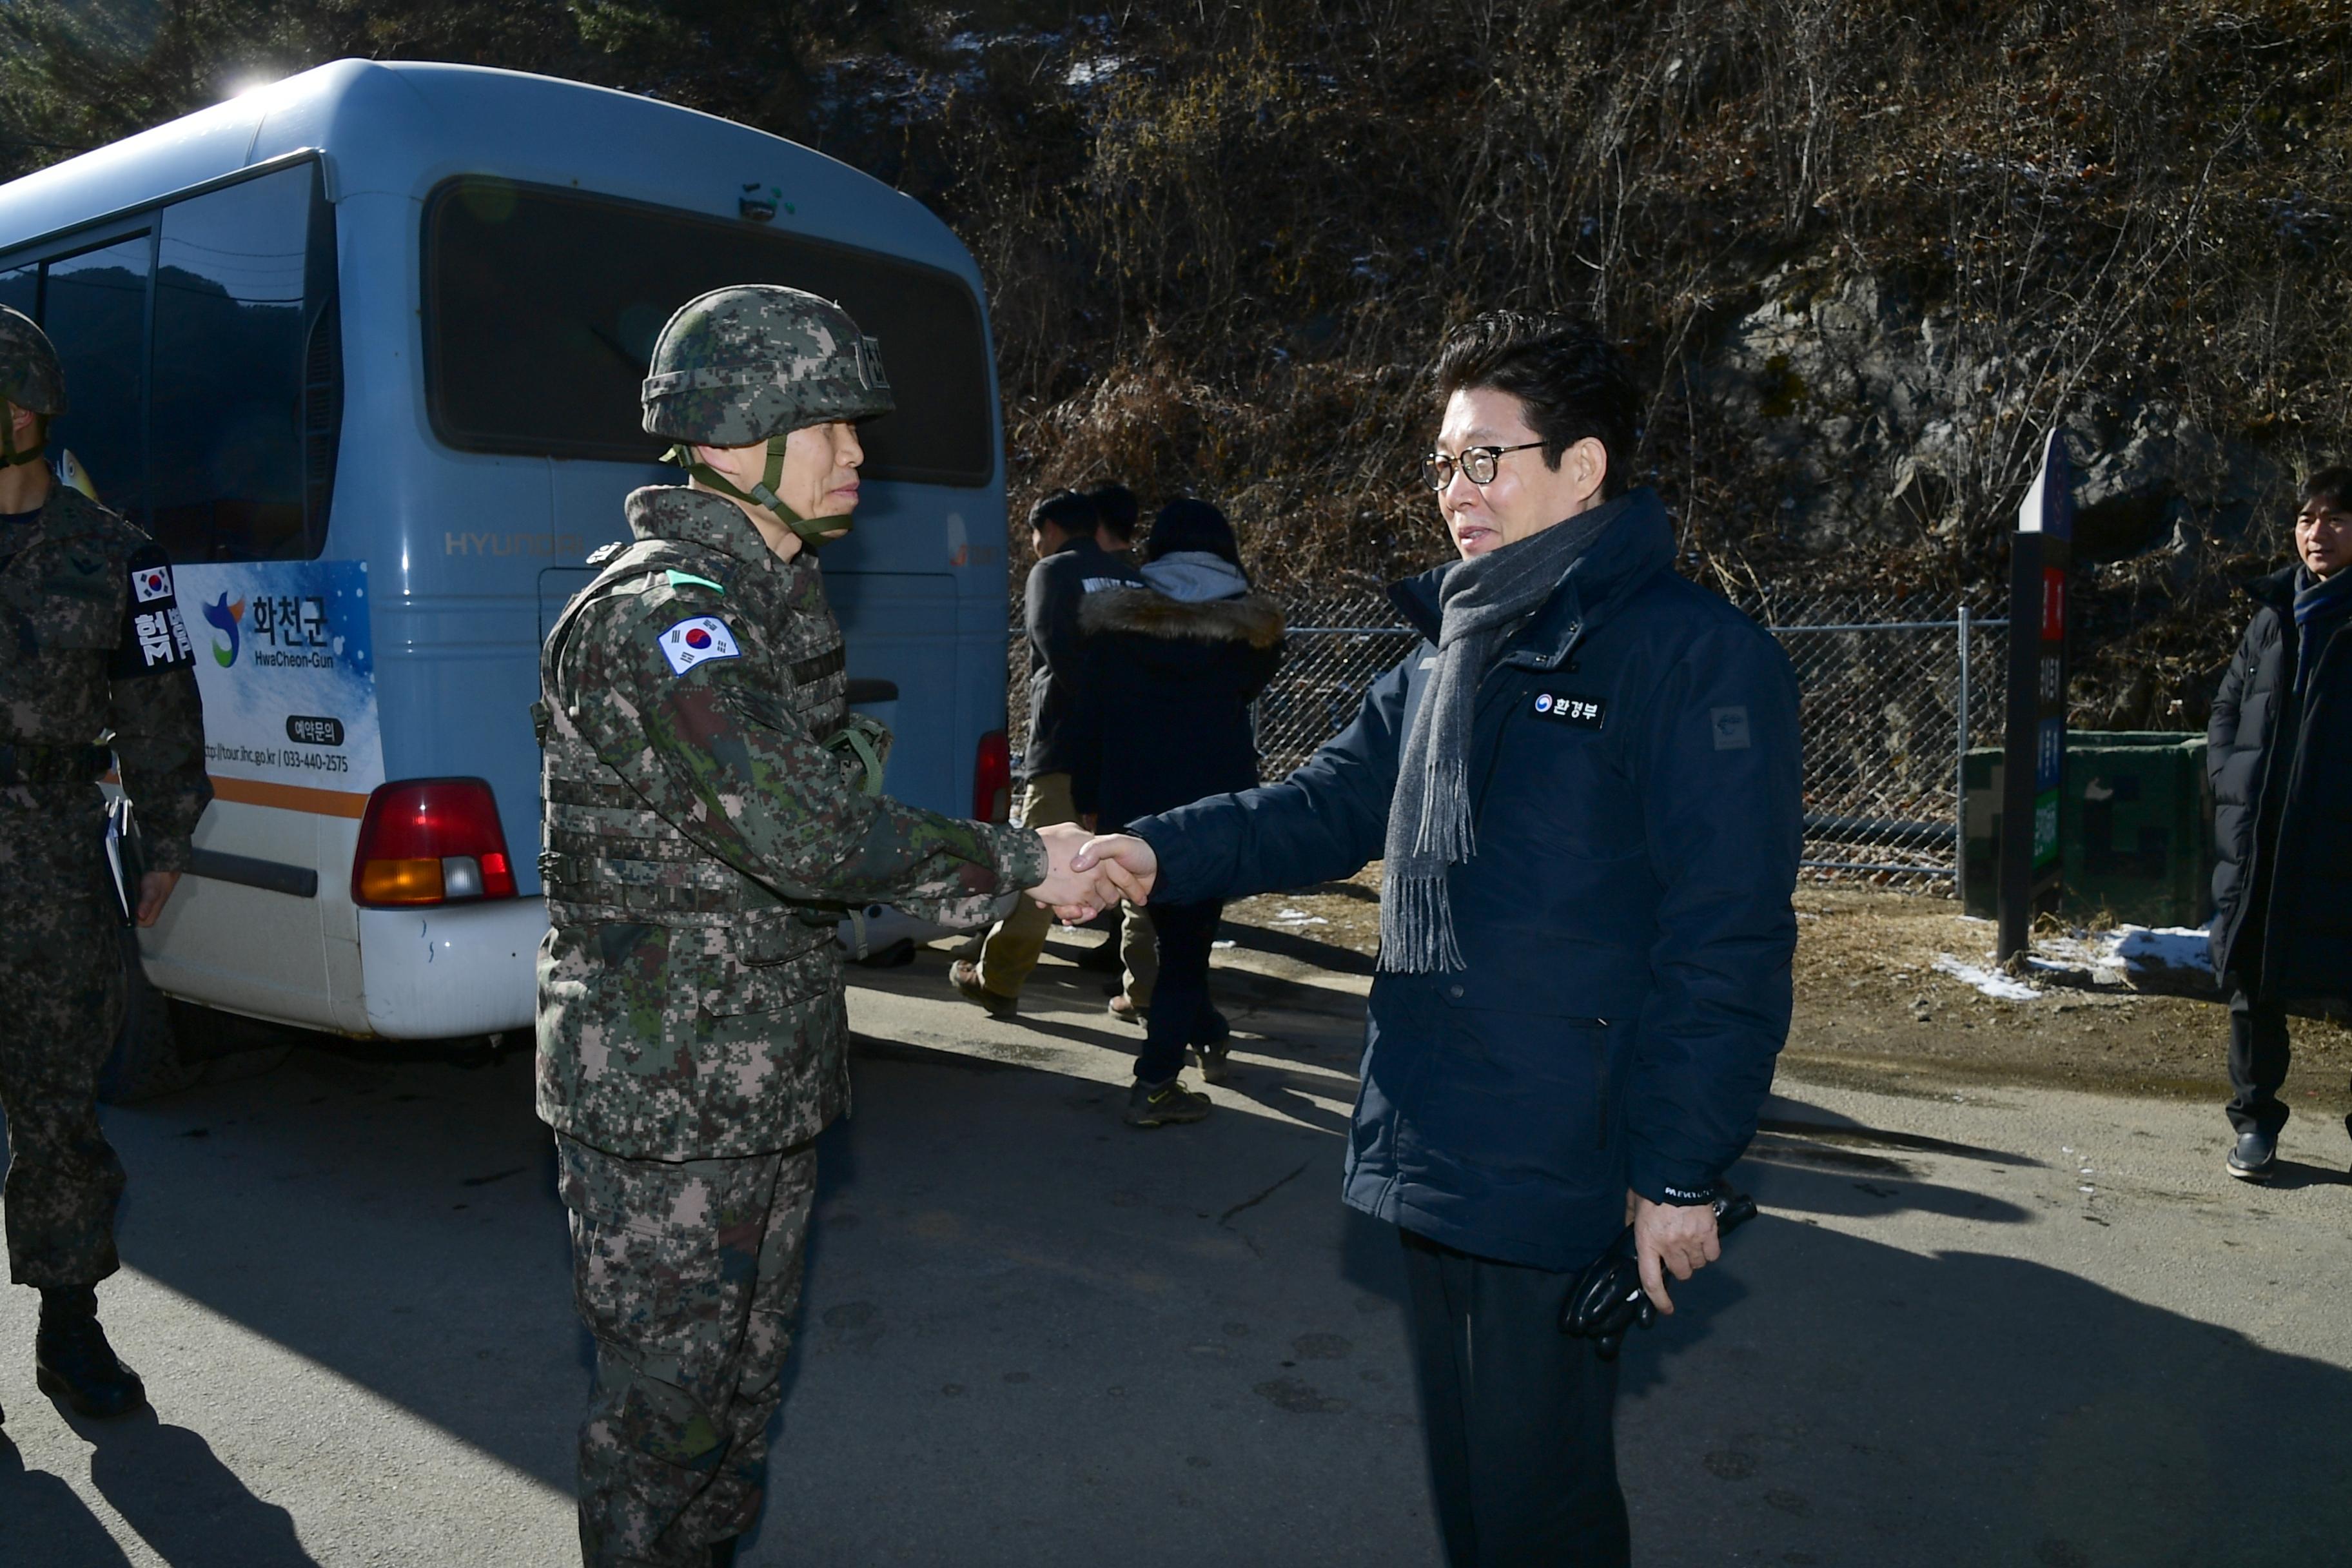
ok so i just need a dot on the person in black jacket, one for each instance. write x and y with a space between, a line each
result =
1070 565
1584 787
1135 955
2279 752
1168 674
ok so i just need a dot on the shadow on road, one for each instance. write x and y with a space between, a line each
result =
1858 1403
1025 1322
42 1521
169 1486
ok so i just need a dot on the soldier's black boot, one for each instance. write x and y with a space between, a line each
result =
73 1360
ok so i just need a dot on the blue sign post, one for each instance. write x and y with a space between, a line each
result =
2034 761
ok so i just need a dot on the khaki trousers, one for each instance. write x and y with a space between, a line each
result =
1011 947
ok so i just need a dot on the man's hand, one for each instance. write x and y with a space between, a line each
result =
1670 1238
154 889
1125 865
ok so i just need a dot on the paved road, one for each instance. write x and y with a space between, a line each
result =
1034 1336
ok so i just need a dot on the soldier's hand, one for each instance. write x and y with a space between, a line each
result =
154 889
1123 861
1063 887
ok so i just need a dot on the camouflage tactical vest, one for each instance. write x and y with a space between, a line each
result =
610 858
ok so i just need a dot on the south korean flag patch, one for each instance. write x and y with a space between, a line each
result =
697 640
149 583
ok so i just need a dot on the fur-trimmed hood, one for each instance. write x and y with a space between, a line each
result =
1250 619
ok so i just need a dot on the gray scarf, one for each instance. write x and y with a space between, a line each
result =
1480 602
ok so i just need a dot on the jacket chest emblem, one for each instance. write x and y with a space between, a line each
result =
1567 707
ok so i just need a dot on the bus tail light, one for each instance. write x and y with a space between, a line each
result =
431 841
991 779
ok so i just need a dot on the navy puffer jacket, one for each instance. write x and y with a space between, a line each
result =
1626 916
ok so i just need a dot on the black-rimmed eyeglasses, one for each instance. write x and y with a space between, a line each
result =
1477 465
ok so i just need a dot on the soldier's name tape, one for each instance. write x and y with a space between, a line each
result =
698 639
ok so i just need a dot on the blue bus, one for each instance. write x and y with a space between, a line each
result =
363 348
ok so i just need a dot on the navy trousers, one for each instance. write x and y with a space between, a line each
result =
1180 997
1519 1419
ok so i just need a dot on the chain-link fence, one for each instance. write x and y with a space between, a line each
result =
1893 693
1336 644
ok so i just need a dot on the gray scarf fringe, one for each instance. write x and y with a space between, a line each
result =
1481 603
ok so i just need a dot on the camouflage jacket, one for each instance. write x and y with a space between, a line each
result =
702 840
101 660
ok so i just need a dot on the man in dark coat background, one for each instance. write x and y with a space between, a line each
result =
1584 788
2280 755
1169 672
1071 563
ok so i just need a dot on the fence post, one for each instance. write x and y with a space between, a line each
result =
1960 776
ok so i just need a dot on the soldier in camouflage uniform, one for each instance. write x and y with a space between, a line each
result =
100 660
711 809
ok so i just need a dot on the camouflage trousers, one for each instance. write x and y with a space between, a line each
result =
61 1000
688 1273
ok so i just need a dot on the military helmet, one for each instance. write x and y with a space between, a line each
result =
29 374
754 361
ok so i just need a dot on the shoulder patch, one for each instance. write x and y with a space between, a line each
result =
678 579
697 640
603 553
154 637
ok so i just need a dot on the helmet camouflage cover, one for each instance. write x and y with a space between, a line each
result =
745 363
30 375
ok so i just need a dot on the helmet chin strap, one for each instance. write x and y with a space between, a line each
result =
812 532
9 457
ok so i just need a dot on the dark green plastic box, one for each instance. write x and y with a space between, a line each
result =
2134 828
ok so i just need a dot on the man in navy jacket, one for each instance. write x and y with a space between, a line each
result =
1585 790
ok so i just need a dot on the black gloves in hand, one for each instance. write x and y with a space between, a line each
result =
1608 1299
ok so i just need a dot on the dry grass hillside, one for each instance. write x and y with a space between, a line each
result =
1865 253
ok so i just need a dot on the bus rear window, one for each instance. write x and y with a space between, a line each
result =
542 307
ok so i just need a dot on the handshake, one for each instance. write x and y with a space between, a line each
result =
1086 874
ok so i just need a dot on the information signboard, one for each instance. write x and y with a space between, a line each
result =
2040 555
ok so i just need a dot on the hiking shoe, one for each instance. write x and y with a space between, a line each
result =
73 1360
1127 1012
1216 1061
964 975
1157 1105
2255 1153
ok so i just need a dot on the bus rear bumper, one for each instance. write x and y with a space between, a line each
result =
451 970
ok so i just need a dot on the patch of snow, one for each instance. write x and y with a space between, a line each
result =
1998 986
2168 958
1301 917
1093 72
